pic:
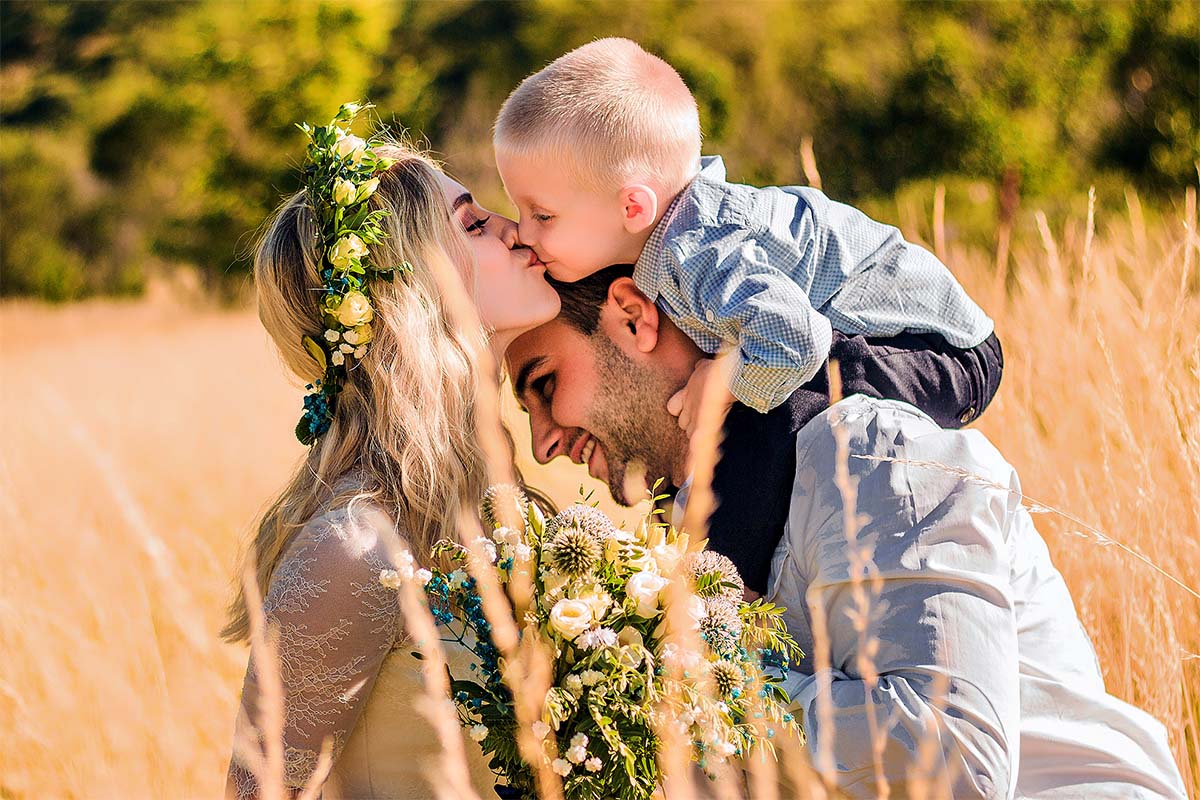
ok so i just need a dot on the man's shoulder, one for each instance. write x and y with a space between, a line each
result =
890 434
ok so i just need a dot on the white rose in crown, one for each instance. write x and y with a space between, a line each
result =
348 247
354 310
344 192
351 146
645 587
570 618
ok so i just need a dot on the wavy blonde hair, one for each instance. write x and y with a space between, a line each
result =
405 418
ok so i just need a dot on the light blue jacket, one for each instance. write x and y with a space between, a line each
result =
773 270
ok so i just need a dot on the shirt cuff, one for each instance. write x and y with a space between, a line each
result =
764 388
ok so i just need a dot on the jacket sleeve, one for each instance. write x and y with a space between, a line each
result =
932 678
740 287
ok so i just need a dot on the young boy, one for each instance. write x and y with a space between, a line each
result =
600 152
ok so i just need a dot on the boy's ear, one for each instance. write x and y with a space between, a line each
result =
635 319
639 207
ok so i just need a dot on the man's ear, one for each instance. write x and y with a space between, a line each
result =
635 317
639 207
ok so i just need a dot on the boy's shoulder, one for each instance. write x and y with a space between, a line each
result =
712 205
711 201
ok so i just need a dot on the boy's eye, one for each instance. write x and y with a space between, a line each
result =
478 226
543 218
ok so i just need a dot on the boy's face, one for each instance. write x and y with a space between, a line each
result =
573 229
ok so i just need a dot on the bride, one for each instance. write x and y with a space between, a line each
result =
398 460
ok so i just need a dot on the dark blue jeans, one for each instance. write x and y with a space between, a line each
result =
753 478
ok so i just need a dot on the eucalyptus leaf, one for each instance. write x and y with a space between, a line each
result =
316 351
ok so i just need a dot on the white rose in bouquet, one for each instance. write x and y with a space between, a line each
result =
621 678
645 588
571 618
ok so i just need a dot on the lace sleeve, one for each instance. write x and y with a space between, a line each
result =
335 624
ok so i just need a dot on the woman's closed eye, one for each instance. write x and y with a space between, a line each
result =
478 226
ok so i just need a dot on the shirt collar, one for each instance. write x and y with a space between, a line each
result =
651 269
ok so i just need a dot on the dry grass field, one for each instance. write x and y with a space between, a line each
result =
140 440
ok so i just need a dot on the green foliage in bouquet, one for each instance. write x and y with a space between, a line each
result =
621 675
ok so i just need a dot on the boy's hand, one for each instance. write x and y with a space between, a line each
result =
685 403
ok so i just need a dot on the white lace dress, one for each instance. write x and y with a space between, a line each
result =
346 669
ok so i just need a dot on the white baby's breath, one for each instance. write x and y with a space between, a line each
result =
596 638
590 677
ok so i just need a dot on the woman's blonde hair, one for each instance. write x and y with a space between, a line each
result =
404 431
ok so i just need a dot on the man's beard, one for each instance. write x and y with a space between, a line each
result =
629 416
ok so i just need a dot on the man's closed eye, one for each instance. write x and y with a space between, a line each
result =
543 387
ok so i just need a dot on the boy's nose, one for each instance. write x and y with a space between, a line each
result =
525 234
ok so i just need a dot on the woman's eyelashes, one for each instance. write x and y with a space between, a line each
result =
477 226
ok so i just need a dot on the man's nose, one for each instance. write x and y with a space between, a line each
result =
546 439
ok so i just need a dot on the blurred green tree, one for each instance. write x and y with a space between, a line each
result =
138 136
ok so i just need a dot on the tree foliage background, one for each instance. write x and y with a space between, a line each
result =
140 136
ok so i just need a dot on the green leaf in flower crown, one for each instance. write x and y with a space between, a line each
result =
316 351
348 111
303 432
356 222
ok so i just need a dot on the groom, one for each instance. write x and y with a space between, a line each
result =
977 647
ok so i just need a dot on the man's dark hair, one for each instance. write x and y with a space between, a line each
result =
583 299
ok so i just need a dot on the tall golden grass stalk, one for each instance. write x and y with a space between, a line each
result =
141 439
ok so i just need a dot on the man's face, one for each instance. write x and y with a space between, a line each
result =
590 400
574 230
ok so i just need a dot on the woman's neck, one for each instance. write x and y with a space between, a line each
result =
498 343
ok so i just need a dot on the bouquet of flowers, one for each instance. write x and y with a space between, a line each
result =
629 666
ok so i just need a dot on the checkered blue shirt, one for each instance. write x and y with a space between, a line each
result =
774 270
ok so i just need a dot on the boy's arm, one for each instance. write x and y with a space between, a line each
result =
740 296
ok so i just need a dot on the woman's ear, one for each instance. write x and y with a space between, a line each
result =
639 207
636 317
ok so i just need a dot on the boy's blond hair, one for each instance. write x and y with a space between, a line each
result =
611 111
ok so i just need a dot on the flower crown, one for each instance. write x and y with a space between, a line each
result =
339 179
